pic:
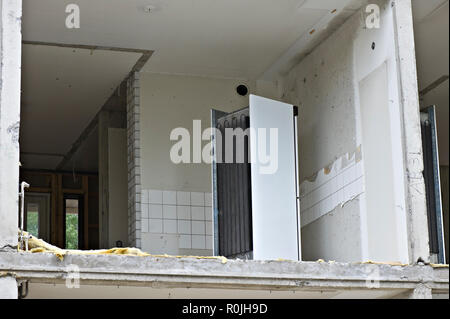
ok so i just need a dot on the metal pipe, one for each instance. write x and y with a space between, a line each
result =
23 185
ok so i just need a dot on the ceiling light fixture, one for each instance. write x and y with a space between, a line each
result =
149 9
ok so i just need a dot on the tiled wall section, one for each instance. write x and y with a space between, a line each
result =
185 214
332 187
134 164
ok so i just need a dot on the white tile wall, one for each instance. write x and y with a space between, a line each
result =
155 196
198 227
144 211
184 212
169 212
198 199
184 227
170 197
144 225
183 198
188 215
155 226
342 183
208 199
144 196
169 226
185 241
155 211
209 242
198 242
209 228
208 213
197 213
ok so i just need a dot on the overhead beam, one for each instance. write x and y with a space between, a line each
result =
433 85
42 154
146 54
88 47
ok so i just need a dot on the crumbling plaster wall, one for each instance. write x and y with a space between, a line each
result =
326 85
323 87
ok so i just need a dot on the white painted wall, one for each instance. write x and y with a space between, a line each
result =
171 101
117 186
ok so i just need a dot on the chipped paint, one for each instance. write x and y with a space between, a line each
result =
344 160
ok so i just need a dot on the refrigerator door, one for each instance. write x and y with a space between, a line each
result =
275 213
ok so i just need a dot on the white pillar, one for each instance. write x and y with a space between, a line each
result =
416 201
10 58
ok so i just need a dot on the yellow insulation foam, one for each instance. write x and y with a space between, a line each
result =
36 245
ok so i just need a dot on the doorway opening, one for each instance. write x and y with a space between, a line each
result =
73 221
37 215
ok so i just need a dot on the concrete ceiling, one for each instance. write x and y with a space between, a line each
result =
62 90
431 24
233 38
60 291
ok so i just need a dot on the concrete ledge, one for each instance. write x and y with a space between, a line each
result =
191 272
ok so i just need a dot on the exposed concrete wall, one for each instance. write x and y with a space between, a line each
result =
328 86
322 86
339 226
10 75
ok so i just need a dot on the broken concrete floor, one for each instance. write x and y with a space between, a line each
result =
106 276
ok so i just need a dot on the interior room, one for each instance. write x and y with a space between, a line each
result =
100 169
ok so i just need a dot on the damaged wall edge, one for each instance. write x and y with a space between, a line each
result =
10 78
413 155
332 187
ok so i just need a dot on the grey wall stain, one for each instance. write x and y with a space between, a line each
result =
13 131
